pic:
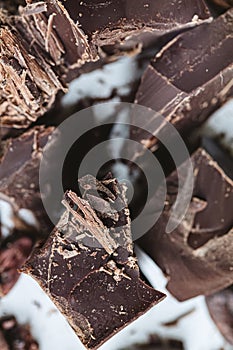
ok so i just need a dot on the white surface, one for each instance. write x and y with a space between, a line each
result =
101 82
221 123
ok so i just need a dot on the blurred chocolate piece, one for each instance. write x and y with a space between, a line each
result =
14 336
125 26
19 172
226 4
11 5
17 238
189 78
220 306
197 256
87 266
157 343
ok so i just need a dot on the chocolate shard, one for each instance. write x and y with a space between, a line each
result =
17 238
200 248
19 172
92 278
220 306
14 336
39 48
125 25
157 343
189 78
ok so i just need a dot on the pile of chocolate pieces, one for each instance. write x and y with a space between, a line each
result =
86 264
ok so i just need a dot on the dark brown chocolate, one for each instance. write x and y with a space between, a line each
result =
128 24
157 343
110 22
14 336
11 5
39 48
87 266
197 256
220 306
19 172
16 242
189 78
226 4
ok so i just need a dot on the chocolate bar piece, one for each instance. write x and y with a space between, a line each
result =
197 256
87 266
220 306
14 336
157 343
126 24
189 78
17 238
19 172
39 48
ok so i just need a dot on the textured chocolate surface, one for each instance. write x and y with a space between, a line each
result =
19 172
190 77
43 47
39 48
14 336
87 265
111 22
220 306
200 248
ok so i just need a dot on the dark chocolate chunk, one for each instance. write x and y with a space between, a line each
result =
14 336
87 266
157 343
197 256
19 172
125 26
39 48
220 306
190 77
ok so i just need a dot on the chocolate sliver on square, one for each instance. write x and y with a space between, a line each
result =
87 265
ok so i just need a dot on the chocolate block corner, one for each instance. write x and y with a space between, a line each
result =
197 256
189 78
